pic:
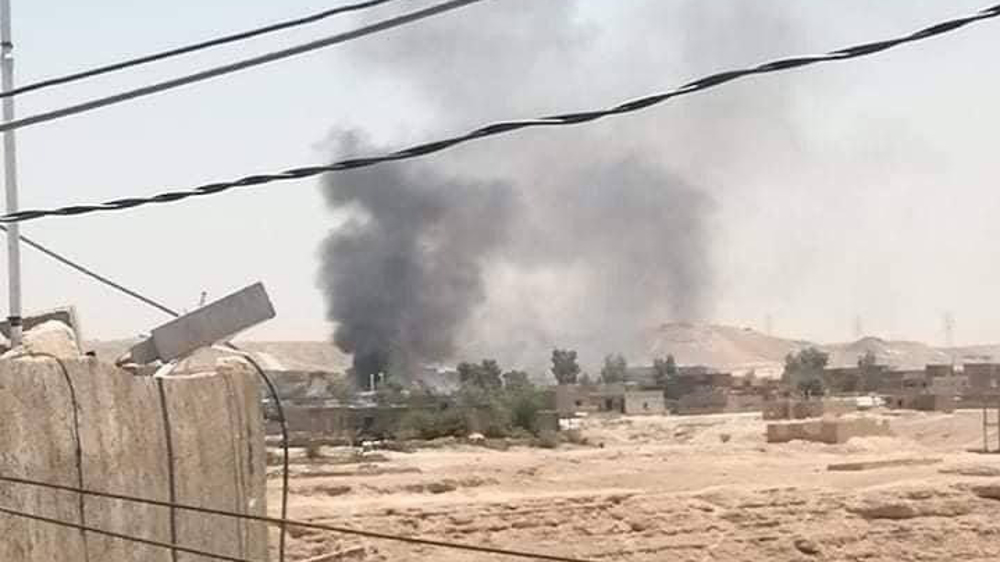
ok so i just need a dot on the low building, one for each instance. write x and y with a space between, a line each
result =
644 402
344 422
922 402
571 399
608 398
699 379
937 370
982 377
955 385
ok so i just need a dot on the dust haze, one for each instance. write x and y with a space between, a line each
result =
614 229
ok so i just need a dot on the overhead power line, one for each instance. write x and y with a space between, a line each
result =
237 66
283 522
294 523
94 275
509 126
187 49
231 347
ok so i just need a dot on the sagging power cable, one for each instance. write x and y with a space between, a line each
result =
503 127
264 377
244 64
192 48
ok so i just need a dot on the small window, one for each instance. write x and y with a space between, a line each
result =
645 405
579 403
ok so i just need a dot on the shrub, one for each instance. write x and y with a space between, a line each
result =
427 425
547 440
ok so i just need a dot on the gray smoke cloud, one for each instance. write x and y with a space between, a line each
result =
613 234
405 270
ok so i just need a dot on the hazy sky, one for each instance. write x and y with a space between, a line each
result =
864 188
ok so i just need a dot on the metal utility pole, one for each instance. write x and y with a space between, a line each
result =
10 175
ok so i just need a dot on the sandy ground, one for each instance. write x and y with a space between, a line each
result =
669 488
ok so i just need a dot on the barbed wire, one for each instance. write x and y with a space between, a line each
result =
187 49
294 523
244 64
504 127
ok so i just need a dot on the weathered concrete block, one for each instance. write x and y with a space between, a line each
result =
830 431
215 437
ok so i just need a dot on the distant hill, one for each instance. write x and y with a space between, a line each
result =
723 347
284 355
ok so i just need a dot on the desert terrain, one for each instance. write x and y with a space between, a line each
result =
658 488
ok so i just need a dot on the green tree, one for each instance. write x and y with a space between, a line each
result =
485 375
564 366
615 369
664 371
804 371
870 372
516 380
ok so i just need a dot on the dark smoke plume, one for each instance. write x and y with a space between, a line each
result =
614 235
407 268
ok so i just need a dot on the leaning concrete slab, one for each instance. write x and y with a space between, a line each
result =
205 448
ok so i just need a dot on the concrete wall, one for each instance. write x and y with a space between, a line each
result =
922 402
345 422
703 402
829 431
788 409
212 456
572 398
644 402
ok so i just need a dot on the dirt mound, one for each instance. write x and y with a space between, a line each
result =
910 503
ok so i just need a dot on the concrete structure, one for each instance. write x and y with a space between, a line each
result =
66 315
612 398
707 401
830 431
205 326
922 402
195 440
691 380
347 423
608 398
954 385
983 377
842 379
791 409
939 370
571 399
644 402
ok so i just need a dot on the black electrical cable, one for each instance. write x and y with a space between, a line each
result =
299 524
168 442
506 126
283 522
237 66
93 274
273 390
119 536
77 439
187 49
268 382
